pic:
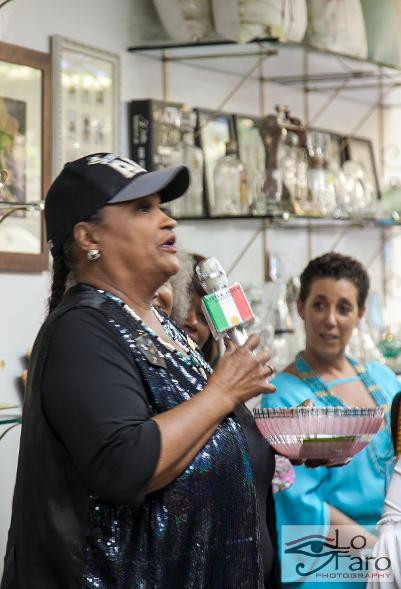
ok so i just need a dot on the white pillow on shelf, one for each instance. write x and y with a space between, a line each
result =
244 20
185 20
337 26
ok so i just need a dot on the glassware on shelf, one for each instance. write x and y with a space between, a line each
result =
273 322
343 195
301 197
257 200
285 342
272 190
252 155
293 287
287 158
321 185
263 308
190 204
318 144
362 346
320 177
193 159
293 164
390 344
230 184
361 191
284 141
168 146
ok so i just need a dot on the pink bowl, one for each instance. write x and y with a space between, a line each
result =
320 433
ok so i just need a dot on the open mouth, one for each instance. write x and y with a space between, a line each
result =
329 338
169 244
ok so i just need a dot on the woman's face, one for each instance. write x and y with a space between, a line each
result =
163 298
330 314
195 323
137 242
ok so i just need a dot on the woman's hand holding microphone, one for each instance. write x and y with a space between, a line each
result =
242 373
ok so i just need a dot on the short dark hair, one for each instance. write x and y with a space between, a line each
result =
337 266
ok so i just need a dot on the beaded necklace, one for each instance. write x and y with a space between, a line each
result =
191 355
323 392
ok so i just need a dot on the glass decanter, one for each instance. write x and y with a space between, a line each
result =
230 184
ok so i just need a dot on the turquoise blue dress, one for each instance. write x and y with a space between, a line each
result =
356 489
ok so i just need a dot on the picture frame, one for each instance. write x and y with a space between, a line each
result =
86 101
25 155
154 131
214 130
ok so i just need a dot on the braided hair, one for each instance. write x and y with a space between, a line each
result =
64 266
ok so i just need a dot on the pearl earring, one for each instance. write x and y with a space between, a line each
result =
93 255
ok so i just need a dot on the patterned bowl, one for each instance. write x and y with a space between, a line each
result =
319 433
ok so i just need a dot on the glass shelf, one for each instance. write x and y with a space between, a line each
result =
289 221
7 419
203 49
285 65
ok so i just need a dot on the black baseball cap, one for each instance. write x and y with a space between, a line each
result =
87 184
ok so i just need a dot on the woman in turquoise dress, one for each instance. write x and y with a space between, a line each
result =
331 302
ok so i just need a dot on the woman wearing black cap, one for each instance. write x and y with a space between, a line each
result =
133 469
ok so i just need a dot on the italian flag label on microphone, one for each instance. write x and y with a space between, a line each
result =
227 308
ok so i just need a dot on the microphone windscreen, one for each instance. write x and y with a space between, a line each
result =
211 275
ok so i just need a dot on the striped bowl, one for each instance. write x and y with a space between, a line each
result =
319 433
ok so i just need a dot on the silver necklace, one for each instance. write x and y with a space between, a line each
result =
190 355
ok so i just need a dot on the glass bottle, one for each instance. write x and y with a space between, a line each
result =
320 178
321 188
230 184
167 138
193 159
191 203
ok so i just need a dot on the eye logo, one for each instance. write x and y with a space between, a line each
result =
316 546
321 554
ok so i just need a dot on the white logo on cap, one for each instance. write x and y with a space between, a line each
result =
124 166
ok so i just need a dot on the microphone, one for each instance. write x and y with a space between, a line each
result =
225 307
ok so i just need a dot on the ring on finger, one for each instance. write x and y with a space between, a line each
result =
271 368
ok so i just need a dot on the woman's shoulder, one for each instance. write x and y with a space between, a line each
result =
384 376
288 375
80 319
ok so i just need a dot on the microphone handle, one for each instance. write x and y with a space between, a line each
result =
237 336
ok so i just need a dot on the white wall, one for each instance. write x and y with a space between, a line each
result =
108 25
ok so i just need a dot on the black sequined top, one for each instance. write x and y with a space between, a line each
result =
101 529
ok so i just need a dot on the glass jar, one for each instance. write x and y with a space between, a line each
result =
230 184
